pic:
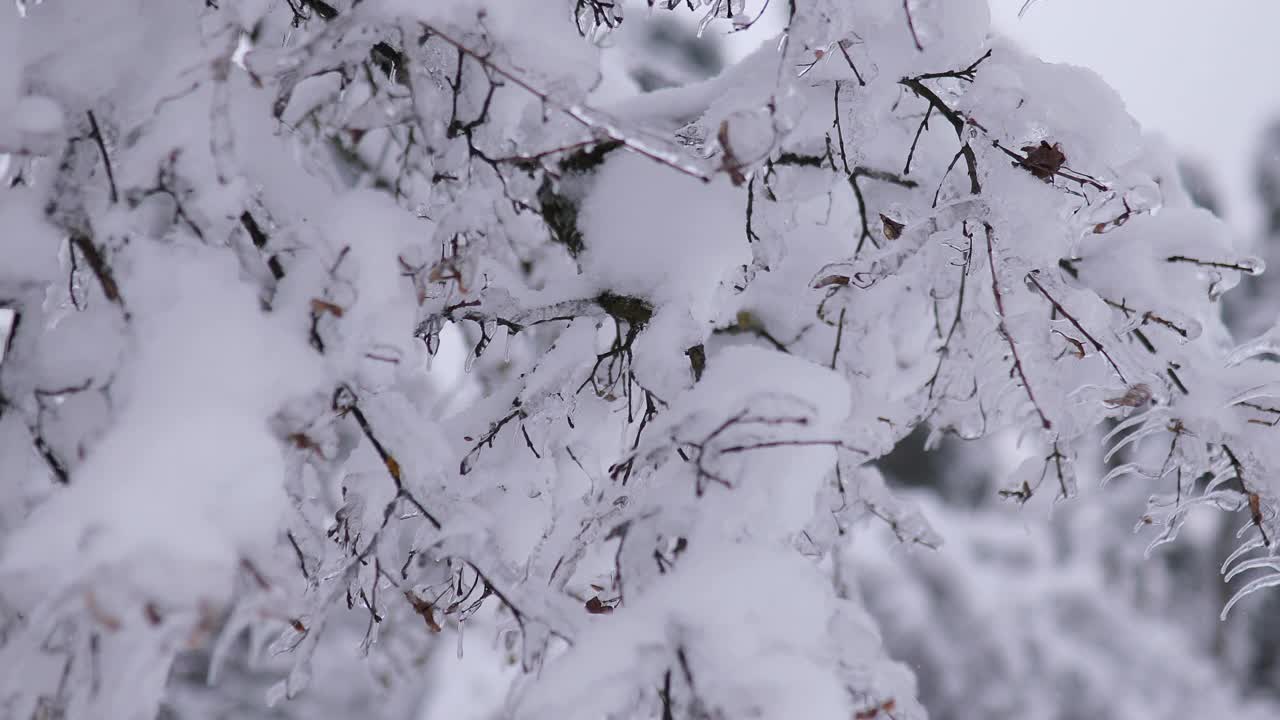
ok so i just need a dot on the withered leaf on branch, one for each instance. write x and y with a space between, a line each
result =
829 280
423 608
732 165
1136 396
596 607
1044 160
1255 512
1077 347
319 306
892 228
302 441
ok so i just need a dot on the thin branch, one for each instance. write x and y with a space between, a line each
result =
345 402
882 176
923 91
958 123
835 353
1171 371
297 549
911 24
896 527
1004 328
944 349
1246 269
975 187
924 125
581 114
1255 505
845 51
966 74
260 239
59 469
766 444
1070 318
96 133
101 269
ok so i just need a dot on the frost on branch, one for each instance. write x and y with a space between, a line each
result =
335 330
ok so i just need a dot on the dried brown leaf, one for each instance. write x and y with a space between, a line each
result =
1135 396
596 607
423 608
892 228
319 307
1044 160
830 280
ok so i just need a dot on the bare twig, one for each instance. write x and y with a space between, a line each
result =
1004 328
345 402
1255 503
967 73
581 114
924 125
96 133
1032 276
845 51
944 349
1247 269
835 352
911 24
101 269
958 123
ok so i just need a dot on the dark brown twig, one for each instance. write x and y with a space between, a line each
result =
1070 318
96 133
1004 328
911 24
101 270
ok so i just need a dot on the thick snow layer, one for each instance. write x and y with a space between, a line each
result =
654 233
188 481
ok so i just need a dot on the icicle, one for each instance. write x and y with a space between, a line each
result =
1244 529
1225 500
1135 420
706 19
1266 344
1251 588
1254 564
1131 439
1240 551
1218 287
1252 265
1169 534
1266 390
1125 469
1223 476
231 630
276 693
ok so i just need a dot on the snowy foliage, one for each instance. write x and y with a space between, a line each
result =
332 329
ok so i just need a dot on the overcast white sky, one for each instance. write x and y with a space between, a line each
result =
1202 72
